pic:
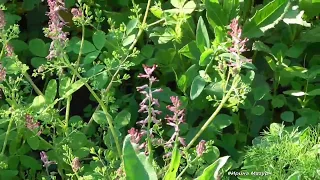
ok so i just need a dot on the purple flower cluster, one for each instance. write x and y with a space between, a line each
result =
175 120
45 159
146 105
56 24
201 147
76 12
30 124
9 50
238 44
2 19
3 73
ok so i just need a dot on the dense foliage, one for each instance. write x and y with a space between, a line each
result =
166 89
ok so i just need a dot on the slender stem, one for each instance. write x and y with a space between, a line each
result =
129 50
35 87
6 138
155 23
185 168
215 113
104 108
67 114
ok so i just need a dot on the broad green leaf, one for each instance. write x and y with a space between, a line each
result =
222 121
260 46
94 70
64 85
189 7
287 116
132 24
202 37
87 47
311 7
38 48
191 51
89 58
311 35
315 92
129 40
122 119
147 51
136 166
258 110
213 169
8 174
51 91
30 162
215 14
205 57
278 101
78 140
215 89
296 50
197 87
33 142
231 8
100 118
38 103
178 3
74 87
38 61
265 18
260 91
174 164
156 11
99 39
18 45
295 71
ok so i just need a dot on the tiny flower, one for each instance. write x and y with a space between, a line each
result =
3 73
135 135
9 50
2 20
201 147
76 12
45 160
76 165
148 71
30 124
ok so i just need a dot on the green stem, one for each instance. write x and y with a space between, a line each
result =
34 86
104 108
67 115
215 113
185 168
129 50
6 138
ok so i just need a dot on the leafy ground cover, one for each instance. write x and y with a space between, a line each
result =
166 89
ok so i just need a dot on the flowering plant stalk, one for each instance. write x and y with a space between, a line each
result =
234 68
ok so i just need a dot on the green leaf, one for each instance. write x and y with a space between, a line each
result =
51 91
94 70
311 7
64 85
87 47
189 7
136 166
314 92
38 47
215 14
18 45
311 35
100 118
197 87
296 50
205 57
122 119
38 61
265 18
99 39
202 37
89 58
294 176
147 51
278 101
30 162
132 24
287 116
177 3
38 103
222 121
191 51
260 92
174 164
260 46
213 169
33 142
78 140
258 110
8 174
295 71
74 87
129 40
